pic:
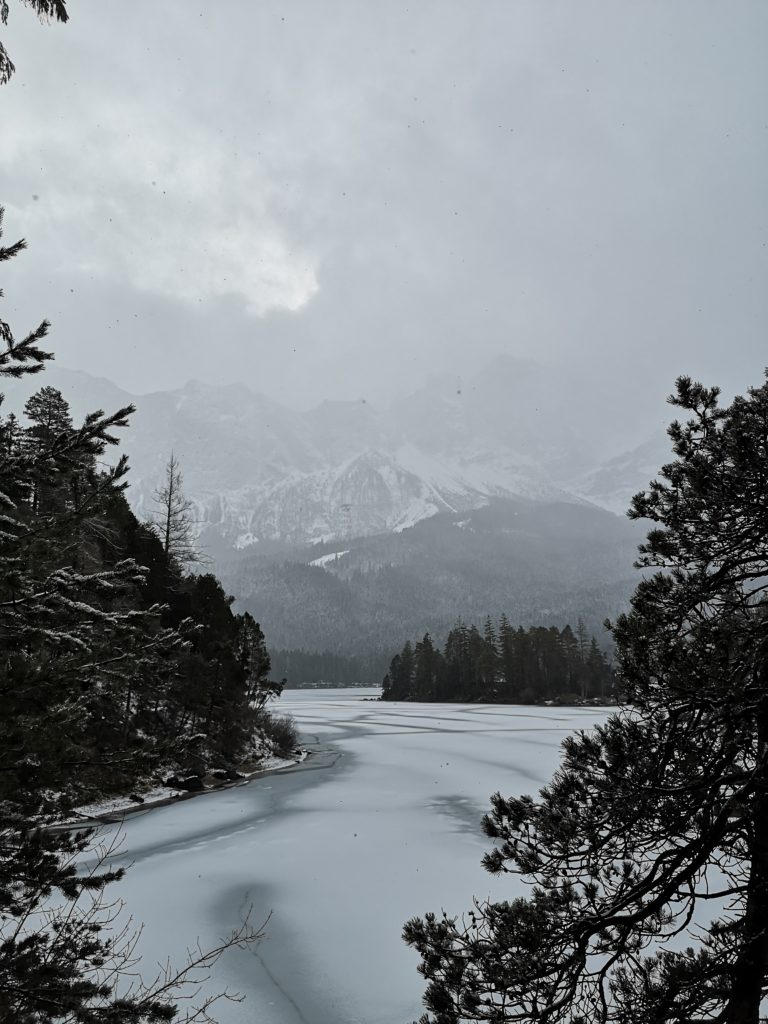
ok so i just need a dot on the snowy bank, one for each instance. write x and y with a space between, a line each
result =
114 809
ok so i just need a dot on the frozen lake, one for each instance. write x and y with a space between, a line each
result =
381 823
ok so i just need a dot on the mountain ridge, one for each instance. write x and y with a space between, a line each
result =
258 472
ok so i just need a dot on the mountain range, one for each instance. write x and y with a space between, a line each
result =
348 527
260 472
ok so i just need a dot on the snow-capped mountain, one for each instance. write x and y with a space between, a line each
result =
258 471
346 525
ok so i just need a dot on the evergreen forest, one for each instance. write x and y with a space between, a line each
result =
140 667
503 665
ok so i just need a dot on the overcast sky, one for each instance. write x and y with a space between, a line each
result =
329 199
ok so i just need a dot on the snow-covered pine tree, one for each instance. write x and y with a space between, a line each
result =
70 605
658 818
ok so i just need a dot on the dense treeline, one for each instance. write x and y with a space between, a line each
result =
502 665
302 668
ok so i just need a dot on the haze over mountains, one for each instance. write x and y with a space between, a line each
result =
261 472
350 528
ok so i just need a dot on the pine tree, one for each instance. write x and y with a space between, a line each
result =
582 638
661 814
427 664
256 663
49 412
488 663
49 415
573 679
459 669
172 519
401 671
529 681
510 661
598 671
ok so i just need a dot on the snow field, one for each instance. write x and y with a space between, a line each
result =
381 824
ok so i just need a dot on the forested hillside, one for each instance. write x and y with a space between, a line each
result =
540 564
502 665
139 665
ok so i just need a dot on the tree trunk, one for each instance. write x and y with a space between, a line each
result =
751 965
127 713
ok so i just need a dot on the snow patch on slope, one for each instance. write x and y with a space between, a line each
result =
324 560
245 540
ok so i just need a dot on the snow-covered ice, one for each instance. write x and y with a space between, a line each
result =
380 824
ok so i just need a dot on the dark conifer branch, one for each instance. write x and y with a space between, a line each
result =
46 10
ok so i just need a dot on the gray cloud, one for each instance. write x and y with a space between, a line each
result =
338 199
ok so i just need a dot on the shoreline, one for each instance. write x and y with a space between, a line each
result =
91 817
